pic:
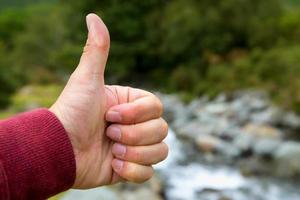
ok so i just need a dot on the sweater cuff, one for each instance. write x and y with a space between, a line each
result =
37 155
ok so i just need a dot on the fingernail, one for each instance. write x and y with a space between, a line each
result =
114 133
118 164
119 150
88 21
93 34
113 116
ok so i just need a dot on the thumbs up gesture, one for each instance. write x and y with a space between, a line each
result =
116 132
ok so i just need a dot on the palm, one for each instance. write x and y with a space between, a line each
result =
89 136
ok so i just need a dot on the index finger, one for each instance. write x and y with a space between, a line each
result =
139 110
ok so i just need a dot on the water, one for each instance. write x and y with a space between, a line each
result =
197 181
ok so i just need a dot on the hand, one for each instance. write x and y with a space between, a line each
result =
116 132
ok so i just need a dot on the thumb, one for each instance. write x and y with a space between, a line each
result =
95 53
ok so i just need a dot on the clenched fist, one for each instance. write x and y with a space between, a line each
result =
116 132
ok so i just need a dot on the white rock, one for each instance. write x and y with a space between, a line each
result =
266 146
288 158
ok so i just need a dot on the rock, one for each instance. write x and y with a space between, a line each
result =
141 193
207 143
239 112
194 129
244 125
230 133
262 131
179 122
173 107
244 141
156 184
91 194
270 116
216 108
216 124
150 190
266 146
228 150
224 198
221 98
291 120
196 104
255 99
255 166
288 159
246 103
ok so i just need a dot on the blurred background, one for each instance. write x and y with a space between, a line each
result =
227 72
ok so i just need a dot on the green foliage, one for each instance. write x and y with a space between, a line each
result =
4 4
187 46
38 47
8 82
33 96
276 70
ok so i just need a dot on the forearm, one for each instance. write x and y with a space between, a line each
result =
36 156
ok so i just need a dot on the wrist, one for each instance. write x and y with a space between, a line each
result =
60 116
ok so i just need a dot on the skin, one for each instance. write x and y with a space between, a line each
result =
92 113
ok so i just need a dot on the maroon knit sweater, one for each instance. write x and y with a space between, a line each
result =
36 157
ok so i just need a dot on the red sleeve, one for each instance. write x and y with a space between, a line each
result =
36 157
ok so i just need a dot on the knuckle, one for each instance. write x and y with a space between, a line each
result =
93 47
137 155
131 113
88 48
132 135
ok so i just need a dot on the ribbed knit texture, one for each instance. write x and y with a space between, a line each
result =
36 157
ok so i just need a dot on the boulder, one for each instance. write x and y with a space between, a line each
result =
291 120
244 141
266 146
270 116
228 151
262 131
216 108
288 159
173 106
141 193
194 129
208 143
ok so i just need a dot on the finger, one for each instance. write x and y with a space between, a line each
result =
131 171
94 57
145 133
144 155
140 110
